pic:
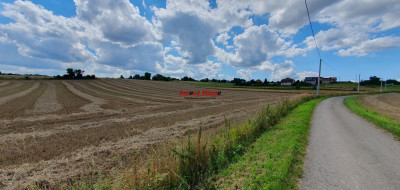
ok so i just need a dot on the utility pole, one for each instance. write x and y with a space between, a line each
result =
385 85
381 87
358 84
319 76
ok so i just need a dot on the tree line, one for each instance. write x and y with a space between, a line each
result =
75 74
374 80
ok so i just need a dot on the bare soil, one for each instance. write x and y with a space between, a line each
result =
56 131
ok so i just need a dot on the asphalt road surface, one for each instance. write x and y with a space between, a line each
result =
347 152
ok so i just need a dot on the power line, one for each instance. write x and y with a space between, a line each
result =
338 72
312 30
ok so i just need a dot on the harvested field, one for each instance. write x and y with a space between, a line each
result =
56 131
385 104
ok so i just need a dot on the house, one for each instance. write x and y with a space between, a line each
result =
313 80
287 82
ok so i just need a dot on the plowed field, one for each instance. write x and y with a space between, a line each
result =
53 131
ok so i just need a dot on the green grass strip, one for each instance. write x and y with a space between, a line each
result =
384 122
275 160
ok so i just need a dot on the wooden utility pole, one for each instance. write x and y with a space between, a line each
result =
358 84
319 76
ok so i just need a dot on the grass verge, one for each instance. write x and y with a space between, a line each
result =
384 122
275 160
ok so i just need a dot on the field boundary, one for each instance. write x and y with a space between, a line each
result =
384 122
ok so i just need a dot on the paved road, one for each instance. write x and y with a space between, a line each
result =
346 152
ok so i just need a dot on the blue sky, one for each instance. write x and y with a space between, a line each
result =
219 39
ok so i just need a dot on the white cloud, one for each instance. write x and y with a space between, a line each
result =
374 45
194 36
283 70
117 20
356 25
195 24
244 73
222 38
286 16
108 32
256 45
304 74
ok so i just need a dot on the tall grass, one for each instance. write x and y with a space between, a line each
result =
190 164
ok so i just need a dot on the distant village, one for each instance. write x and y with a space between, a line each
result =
309 80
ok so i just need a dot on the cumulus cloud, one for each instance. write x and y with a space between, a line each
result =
355 26
194 36
37 32
282 70
116 20
373 45
195 24
222 38
256 45
286 16
181 38
304 74
108 32
245 73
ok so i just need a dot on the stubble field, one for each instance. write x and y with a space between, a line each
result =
385 104
56 131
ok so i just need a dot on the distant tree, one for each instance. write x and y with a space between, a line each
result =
392 81
130 77
266 82
159 77
374 80
238 81
204 80
122 77
71 73
79 73
186 78
137 76
147 76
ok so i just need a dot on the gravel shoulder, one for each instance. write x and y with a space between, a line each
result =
346 152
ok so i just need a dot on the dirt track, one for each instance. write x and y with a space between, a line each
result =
52 131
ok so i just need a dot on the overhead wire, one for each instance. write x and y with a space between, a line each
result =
316 44
338 72
312 30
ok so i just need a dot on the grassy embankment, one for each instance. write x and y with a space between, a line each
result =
382 121
275 160
197 162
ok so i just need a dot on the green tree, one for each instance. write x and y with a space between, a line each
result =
122 77
147 76
79 73
137 76
71 73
